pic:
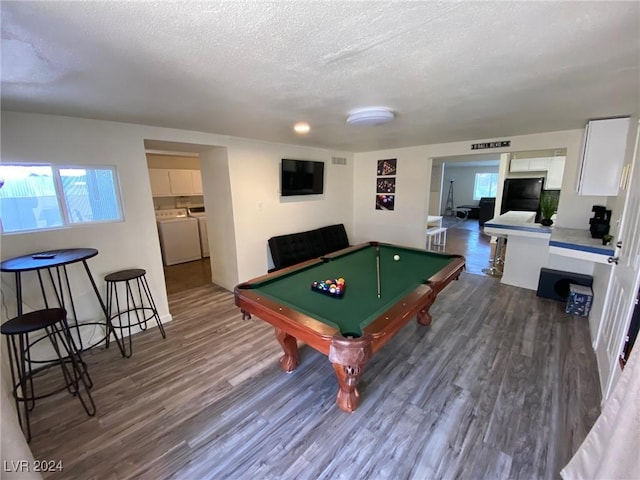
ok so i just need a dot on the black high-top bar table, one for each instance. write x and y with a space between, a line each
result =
52 265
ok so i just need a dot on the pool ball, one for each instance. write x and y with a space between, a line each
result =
396 257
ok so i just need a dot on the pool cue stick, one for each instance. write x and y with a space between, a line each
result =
378 268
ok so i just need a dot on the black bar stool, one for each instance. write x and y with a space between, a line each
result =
23 367
142 307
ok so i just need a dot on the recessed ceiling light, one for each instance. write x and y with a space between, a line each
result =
370 116
302 128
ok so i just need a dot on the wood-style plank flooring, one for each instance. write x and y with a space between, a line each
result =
503 384
466 237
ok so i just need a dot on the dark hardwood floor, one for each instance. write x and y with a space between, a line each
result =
503 384
186 276
465 237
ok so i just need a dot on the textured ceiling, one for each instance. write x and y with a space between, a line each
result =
450 71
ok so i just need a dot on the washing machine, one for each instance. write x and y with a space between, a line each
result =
179 236
199 214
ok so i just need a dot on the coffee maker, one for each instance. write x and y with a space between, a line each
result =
599 224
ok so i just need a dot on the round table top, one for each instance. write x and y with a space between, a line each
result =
50 258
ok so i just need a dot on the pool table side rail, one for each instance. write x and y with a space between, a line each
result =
421 298
318 334
303 327
452 271
284 271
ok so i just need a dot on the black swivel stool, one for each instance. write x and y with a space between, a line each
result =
142 306
53 322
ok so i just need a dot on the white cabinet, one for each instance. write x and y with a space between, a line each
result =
602 158
181 182
173 182
554 166
555 173
539 164
159 179
519 165
196 178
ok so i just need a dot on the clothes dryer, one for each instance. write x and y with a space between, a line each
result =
199 214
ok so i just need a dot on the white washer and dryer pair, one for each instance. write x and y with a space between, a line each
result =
179 236
199 214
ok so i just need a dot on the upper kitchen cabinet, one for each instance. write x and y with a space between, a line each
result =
551 162
159 179
602 159
196 178
555 173
170 182
181 182
519 165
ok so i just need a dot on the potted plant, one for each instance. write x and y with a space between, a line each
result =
548 206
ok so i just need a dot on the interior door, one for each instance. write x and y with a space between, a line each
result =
625 279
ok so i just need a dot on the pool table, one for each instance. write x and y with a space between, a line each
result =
349 329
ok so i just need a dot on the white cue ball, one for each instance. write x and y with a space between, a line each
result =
396 257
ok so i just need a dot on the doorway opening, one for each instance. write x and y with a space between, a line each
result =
179 196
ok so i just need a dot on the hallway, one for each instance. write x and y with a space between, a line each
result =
465 237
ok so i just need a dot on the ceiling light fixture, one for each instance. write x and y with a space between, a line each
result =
302 128
370 116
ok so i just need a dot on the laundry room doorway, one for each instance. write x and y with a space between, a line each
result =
179 206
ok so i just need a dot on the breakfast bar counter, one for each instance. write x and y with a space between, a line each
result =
532 246
528 247
578 243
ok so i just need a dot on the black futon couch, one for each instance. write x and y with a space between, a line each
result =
287 250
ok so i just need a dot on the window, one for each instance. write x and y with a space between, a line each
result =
486 185
38 197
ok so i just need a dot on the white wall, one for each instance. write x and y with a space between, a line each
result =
240 181
436 190
405 225
128 244
241 186
259 210
464 182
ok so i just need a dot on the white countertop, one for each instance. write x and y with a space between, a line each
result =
569 242
578 243
519 224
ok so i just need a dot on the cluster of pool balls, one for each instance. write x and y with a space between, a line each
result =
334 287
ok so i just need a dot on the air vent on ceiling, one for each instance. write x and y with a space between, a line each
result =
338 160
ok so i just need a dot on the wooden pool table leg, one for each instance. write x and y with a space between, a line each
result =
289 361
348 357
424 317
348 396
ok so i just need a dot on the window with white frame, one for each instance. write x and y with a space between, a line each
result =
40 197
486 185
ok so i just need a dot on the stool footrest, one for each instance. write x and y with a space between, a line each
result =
440 233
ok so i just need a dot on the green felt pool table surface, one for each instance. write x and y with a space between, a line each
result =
360 304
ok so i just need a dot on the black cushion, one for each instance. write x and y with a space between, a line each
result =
335 237
317 246
287 250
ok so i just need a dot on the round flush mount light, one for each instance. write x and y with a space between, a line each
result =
370 116
301 128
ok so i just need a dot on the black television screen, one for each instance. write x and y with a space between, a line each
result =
301 177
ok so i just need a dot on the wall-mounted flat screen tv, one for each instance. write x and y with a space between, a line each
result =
301 177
